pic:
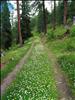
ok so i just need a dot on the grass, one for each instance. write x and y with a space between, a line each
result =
64 50
12 57
62 46
58 33
35 81
67 63
72 31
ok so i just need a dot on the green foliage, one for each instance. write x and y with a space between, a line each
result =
62 46
72 31
67 63
57 33
33 23
35 33
64 50
35 81
25 21
25 7
50 34
71 9
14 32
12 57
60 12
40 24
60 30
70 47
6 36
70 44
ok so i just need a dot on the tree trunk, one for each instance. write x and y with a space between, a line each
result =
54 19
65 12
65 18
44 16
19 27
51 23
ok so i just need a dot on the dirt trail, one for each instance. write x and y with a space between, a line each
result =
11 76
64 90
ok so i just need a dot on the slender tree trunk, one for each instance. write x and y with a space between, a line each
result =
65 12
65 18
44 16
19 27
51 23
54 19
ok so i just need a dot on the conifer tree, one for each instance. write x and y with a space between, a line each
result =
6 35
25 21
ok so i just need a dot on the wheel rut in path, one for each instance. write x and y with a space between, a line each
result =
12 75
62 87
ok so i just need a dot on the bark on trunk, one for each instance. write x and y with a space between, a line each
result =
44 16
19 27
54 19
65 12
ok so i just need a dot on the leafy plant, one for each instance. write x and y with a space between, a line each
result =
50 34
70 47
72 31
67 63
12 57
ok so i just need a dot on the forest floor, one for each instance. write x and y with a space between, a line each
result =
40 78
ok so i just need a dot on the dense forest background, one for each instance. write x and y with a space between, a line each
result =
37 49
62 13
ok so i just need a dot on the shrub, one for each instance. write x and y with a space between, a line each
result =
70 47
73 31
60 30
50 34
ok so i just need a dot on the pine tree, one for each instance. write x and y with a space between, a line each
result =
40 24
25 21
40 20
60 12
72 9
6 35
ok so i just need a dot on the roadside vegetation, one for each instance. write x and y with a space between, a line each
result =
67 63
12 57
64 50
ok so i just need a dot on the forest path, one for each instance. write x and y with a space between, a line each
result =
62 87
11 76
61 83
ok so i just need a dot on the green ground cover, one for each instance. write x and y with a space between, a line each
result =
62 46
12 57
67 63
64 50
36 80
